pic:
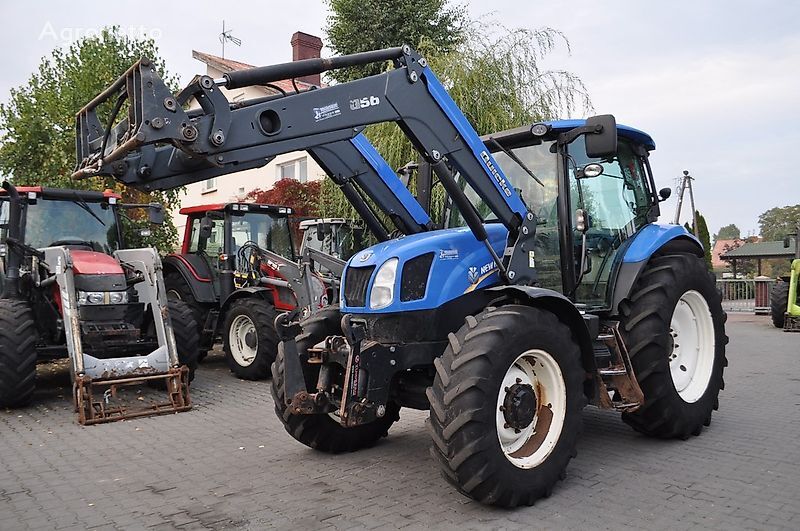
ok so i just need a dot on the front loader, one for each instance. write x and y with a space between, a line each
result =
551 286
71 289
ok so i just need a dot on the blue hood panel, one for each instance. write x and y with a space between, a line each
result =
460 264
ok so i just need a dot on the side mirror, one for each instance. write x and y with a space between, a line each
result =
320 233
155 214
603 142
664 194
404 173
786 242
206 227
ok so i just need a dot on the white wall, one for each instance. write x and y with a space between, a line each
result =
235 186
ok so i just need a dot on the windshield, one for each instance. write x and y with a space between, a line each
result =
343 240
271 233
52 222
541 199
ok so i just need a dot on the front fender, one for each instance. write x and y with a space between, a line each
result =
585 327
243 293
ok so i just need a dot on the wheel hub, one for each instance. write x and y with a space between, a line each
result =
250 339
519 406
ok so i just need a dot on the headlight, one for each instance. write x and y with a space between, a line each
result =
382 293
118 297
102 297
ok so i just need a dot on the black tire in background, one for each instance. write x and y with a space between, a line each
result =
18 337
779 303
471 378
261 316
322 432
184 328
178 289
646 323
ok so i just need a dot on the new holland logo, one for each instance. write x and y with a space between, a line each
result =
472 275
365 256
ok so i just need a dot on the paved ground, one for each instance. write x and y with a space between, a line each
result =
229 464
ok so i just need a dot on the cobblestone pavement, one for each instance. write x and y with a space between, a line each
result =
229 464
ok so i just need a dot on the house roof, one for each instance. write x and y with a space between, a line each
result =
760 250
719 250
229 65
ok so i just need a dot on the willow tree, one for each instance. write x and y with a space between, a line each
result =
37 143
498 82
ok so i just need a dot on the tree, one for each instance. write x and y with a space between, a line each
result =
303 198
728 232
357 26
38 122
498 82
777 222
703 236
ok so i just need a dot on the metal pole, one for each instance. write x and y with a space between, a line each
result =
689 180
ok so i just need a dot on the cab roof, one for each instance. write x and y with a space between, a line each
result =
65 193
520 134
247 207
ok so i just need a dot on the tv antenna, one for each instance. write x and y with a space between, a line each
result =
686 182
227 36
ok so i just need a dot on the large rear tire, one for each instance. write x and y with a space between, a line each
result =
674 327
506 405
178 289
251 342
779 303
184 327
322 432
18 337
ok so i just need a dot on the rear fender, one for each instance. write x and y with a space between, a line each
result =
584 330
197 277
652 240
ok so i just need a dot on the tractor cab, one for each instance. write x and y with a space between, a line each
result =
589 206
218 237
337 237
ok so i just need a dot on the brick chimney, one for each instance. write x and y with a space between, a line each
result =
305 46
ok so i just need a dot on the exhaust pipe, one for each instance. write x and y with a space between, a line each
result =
15 255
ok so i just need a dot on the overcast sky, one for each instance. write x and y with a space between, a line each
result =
715 83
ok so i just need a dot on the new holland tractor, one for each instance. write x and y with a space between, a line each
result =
784 300
70 288
551 287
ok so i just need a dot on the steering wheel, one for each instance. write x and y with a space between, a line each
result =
72 241
600 242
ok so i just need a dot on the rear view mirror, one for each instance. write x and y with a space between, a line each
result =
155 214
206 226
664 194
602 143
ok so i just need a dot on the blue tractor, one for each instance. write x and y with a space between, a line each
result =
550 287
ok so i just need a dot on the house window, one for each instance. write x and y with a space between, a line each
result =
294 169
209 185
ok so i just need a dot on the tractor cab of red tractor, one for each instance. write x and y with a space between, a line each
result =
218 244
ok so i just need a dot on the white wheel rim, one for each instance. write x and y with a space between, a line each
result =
529 446
691 361
173 294
241 352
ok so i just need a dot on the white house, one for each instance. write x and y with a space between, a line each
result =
296 165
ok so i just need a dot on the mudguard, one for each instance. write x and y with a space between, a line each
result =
195 272
585 327
241 293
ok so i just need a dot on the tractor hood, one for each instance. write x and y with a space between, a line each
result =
433 268
97 272
92 263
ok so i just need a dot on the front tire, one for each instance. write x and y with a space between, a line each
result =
251 342
178 289
506 405
322 432
674 327
18 337
779 303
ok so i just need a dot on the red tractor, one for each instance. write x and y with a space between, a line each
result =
237 270
71 288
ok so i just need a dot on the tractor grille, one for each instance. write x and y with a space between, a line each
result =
415 277
356 282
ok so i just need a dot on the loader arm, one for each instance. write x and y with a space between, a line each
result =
160 146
